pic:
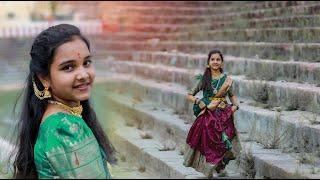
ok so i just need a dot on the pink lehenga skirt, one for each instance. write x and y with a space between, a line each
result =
206 148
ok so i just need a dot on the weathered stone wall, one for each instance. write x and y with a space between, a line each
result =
148 56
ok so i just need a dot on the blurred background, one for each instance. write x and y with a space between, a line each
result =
146 56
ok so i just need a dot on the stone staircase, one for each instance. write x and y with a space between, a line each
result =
148 64
270 51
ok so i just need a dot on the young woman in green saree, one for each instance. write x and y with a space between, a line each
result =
209 142
59 134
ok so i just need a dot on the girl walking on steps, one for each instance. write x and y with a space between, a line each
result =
209 142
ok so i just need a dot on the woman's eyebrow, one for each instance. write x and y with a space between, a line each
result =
72 60
88 57
66 62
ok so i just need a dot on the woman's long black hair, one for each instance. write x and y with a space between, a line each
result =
32 109
206 80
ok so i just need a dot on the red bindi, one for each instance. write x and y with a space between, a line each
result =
79 55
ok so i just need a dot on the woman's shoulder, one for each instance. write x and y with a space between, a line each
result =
60 129
225 76
60 120
198 76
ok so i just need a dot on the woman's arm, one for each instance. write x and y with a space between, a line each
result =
234 101
195 100
191 95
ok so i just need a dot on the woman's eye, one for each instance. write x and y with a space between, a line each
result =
87 63
68 68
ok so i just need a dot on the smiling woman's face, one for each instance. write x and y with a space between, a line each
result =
215 61
71 72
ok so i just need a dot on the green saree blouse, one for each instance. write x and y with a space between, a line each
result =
67 148
207 94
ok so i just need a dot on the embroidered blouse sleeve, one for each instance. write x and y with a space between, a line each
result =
73 151
198 87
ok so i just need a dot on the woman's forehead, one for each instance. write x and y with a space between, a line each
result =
74 49
215 55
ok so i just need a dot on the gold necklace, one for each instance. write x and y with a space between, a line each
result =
73 110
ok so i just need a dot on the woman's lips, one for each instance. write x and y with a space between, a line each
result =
83 87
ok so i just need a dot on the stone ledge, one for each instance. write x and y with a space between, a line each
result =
262 157
290 132
291 21
191 16
143 36
206 9
290 95
144 151
275 35
263 50
253 67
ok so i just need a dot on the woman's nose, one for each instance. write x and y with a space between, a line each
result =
83 74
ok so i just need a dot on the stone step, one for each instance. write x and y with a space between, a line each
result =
302 72
177 17
274 22
6 148
124 36
167 164
292 131
264 50
253 68
241 7
13 49
179 4
124 170
102 53
159 27
16 50
289 95
138 150
277 35
146 115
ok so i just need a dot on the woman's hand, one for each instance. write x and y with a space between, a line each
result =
234 108
214 104
202 105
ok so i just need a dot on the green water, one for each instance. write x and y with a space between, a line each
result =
7 101
102 107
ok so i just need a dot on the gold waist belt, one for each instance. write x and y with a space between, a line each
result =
223 102
216 99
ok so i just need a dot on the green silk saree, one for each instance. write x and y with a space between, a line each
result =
67 148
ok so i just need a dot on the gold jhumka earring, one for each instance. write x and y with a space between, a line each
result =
41 94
